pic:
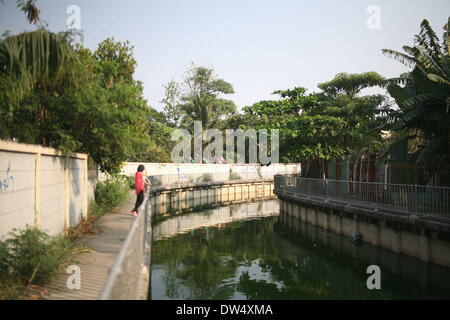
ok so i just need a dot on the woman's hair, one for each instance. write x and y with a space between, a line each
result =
141 168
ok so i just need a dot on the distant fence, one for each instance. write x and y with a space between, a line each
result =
402 198
42 187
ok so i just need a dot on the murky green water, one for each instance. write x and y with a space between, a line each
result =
244 252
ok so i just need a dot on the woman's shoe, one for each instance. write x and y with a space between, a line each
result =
134 213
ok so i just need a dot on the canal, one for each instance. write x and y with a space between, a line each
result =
248 251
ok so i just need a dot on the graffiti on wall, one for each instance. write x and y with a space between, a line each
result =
7 181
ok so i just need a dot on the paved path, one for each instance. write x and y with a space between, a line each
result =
95 265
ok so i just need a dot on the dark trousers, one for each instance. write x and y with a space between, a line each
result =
139 200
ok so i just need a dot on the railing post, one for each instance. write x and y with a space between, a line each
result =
416 195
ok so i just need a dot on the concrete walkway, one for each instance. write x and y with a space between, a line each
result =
94 265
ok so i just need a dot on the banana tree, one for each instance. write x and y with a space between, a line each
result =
422 96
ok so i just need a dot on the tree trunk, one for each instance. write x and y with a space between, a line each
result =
361 163
368 168
308 166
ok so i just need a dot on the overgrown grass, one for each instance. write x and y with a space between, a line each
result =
30 257
109 196
234 175
205 177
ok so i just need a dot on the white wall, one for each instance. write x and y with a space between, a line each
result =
221 172
61 197
52 193
16 190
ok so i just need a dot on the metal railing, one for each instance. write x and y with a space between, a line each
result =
128 278
403 198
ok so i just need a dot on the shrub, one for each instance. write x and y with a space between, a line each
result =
234 175
4 268
129 181
32 256
205 177
110 194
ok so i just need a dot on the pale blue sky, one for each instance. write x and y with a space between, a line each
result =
257 45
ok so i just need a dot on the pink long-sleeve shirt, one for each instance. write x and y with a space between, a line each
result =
139 182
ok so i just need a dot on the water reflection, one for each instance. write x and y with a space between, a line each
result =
210 255
219 217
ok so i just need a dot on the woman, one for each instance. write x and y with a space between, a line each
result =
139 183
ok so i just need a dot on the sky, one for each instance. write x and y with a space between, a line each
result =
259 46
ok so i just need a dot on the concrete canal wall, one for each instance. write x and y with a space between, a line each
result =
426 239
199 195
316 241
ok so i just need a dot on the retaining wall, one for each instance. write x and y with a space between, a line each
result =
194 196
42 187
426 239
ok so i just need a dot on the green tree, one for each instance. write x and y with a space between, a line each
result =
303 136
71 98
336 123
31 60
422 96
161 145
171 102
117 63
350 84
363 114
201 102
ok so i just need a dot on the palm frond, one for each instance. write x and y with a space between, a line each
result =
427 152
32 57
430 38
427 63
439 79
401 57
417 100
398 81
